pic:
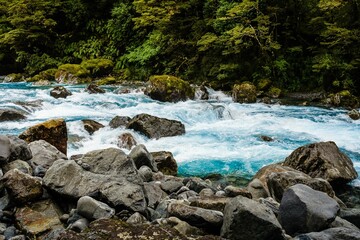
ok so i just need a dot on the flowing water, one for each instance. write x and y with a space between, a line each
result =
221 136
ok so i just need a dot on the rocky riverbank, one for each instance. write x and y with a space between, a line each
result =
107 194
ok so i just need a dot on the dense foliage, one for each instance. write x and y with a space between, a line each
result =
297 44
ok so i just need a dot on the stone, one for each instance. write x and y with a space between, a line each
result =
210 220
20 165
197 184
212 202
247 219
4 149
154 194
93 89
323 160
44 154
136 218
79 225
19 149
53 131
38 217
119 121
10 232
10 115
244 93
266 138
155 127
145 173
232 191
339 222
165 162
94 209
303 209
91 126
271 204
60 92
22 187
171 184
339 233
127 141
206 192
352 215
168 88
257 189
142 157
182 227
354 114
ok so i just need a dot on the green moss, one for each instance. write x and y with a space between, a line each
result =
107 81
48 74
98 67
244 93
274 92
264 84
345 93
74 69
14 77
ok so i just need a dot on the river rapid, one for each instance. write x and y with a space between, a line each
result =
221 136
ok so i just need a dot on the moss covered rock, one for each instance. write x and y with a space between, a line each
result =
48 74
107 81
263 84
344 99
273 92
168 88
244 93
98 67
14 77
71 73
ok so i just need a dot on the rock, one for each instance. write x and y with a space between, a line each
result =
14 77
206 192
266 138
352 215
93 88
20 165
273 92
186 195
344 99
154 194
213 202
98 67
354 114
44 154
303 209
126 140
232 191
22 187
323 160
10 115
155 127
244 93
111 174
165 162
10 232
39 217
197 184
145 173
339 233
119 121
60 92
168 88
182 226
4 149
53 131
171 184
93 209
42 83
271 204
246 219
136 218
202 93
339 222
142 157
257 189
210 220
91 126
79 225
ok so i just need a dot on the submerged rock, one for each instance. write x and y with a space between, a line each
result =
126 140
354 114
10 115
60 92
244 93
119 121
91 126
93 88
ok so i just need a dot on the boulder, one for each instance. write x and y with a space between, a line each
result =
136 218
338 233
22 187
10 115
146 173
119 121
168 88
98 66
44 154
303 210
53 131
257 189
154 194
232 191
197 184
155 127
91 126
142 157
38 217
171 184
209 220
323 160
93 88
247 219
79 225
352 215
110 173
244 93
19 149
182 226
71 74
206 192
60 92
126 140
354 114
5 151
340 222
165 162
213 203
93 209
20 165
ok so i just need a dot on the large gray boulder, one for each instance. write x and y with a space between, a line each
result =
94 209
154 194
352 215
323 160
13 148
338 233
165 162
142 157
247 219
108 172
303 209
155 127
4 149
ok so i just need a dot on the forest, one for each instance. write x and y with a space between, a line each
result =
299 45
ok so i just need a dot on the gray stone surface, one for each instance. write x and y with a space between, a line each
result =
142 157
339 233
44 154
94 209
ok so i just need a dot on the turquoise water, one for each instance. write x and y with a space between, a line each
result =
221 136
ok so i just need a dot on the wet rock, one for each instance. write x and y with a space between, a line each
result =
213 203
39 217
202 93
79 225
303 209
22 187
168 88
20 165
354 114
60 92
246 219
210 220
244 93
10 115
4 149
53 131
91 126
323 160
93 209
165 162
257 189
119 121
142 157
155 127
232 191
44 155
93 88
339 233
154 194
266 138
126 140
145 173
